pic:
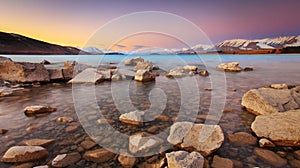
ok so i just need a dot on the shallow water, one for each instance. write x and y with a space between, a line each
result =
106 99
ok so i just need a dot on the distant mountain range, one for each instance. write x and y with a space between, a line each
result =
17 44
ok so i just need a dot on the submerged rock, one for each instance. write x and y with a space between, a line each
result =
144 76
269 100
180 159
89 75
265 143
38 142
222 162
65 160
279 86
45 62
270 157
38 109
182 71
98 155
202 138
242 138
143 142
24 154
230 67
281 128
203 73
22 71
3 131
5 91
127 161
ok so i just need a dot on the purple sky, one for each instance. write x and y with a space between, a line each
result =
71 22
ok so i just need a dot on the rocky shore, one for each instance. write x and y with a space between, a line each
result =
270 139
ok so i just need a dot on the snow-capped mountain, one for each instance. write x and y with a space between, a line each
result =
267 43
92 50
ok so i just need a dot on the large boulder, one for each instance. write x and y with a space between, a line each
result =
133 61
146 65
24 154
180 159
22 71
270 100
144 76
281 128
202 138
143 142
230 67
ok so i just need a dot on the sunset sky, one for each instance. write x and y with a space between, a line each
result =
72 22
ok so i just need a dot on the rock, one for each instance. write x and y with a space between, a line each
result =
117 77
45 62
126 161
146 65
268 100
3 131
67 73
22 71
5 91
107 74
242 138
279 86
221 162
24 165
31 110
202 138
89 75
56 74
155 67
42 166
183 159
143 142
281 128
203 73
144 76
98 155
105 121
294 163
38 109
125 72
24 154
178 72
133 61
297 154
88 144
190 68
134 118
38 142
65 119
65 160
270 157
71 128
265 143
248 69
162 118
230 67
70 65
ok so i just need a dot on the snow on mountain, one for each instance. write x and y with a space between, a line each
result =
266 43
93 50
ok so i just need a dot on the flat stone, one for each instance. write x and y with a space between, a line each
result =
89 76
88 144
221 162
3 131
42 166
280 128
38 142
99 156
127 161
270 157
134 118
71 128
202 138
38 109
269 100
183 159
242 138
24 154
65 160
65 119
143 142
230 67
265 143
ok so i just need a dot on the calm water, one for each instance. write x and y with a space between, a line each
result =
268 69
